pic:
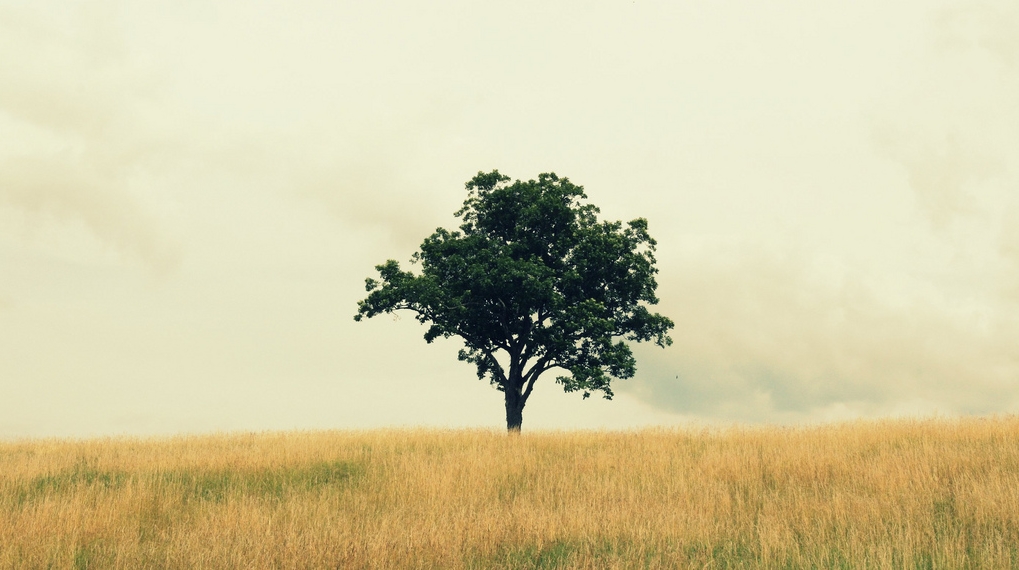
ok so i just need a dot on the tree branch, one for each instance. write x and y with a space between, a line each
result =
532 376
496 367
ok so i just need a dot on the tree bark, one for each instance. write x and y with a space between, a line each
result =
514 410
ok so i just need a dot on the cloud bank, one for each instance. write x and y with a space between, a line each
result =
790 335
763 338
73 108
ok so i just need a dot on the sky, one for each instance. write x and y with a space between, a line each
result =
193 192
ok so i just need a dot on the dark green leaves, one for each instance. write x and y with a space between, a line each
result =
532 275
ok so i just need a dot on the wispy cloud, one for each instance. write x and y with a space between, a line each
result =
364 176
762 337
952 122
73 107
943 168
772 335
989 25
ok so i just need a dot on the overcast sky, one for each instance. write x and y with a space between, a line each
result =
192 193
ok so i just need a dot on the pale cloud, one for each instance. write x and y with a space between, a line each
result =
65 190
777 334
760 337
943 169
988 25
951 121
74 109
1009 246
365 177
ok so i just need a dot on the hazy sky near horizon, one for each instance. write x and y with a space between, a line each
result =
192 193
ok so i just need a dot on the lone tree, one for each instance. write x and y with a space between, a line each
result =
531 282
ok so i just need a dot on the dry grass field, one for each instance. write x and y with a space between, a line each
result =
891 494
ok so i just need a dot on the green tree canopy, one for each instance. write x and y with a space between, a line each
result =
531 282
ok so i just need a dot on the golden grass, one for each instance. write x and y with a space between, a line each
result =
892 494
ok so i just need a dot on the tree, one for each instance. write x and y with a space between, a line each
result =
532 281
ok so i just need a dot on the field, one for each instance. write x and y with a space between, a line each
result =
890 494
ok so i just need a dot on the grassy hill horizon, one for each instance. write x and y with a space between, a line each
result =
933 493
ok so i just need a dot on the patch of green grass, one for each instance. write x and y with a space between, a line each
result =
83 474
94 554
567 554
278 483
192 484
528 556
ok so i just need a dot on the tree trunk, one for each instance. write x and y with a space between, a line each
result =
514 411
